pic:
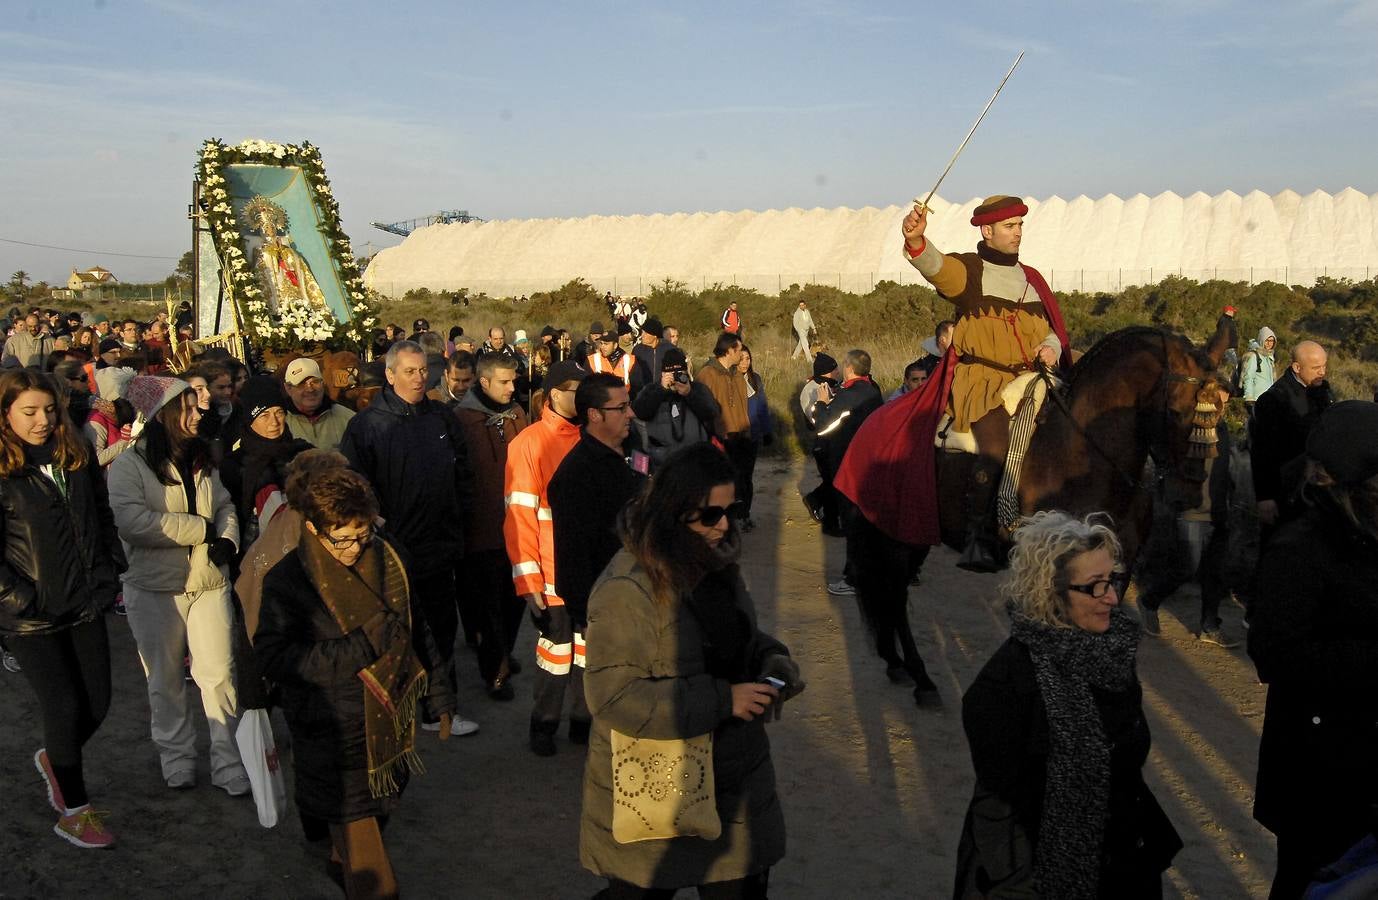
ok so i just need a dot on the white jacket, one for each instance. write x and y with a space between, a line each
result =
164 542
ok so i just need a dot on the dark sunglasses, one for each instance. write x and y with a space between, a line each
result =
708 516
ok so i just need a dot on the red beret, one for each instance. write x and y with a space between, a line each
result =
997 209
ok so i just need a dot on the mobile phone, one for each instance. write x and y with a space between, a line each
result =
773 682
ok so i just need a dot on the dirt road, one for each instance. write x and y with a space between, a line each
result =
874 788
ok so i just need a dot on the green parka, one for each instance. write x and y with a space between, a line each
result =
647 677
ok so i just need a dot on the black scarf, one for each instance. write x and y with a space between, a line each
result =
264 462
489 403
41 456
1068 663
991 255
713 601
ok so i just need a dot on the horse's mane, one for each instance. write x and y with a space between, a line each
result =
1091 361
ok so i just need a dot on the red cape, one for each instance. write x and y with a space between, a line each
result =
888 471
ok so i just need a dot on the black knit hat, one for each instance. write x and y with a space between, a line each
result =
1345 441
674 359
260 394
823 364
623 328
653 327
110 344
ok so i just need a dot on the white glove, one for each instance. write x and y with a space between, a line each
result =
137 428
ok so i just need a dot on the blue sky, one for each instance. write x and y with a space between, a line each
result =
518 110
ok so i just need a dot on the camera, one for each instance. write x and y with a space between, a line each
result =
680 377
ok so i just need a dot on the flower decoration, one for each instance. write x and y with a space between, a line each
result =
291 326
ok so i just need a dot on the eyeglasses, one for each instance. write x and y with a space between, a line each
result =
621 407
362 540
1098 589
708 516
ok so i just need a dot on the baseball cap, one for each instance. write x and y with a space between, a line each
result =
563 372
300 369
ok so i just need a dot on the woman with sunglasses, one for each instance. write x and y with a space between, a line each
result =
57 578
336 632
1057 732
674 652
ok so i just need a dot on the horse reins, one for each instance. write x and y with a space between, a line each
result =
1160 387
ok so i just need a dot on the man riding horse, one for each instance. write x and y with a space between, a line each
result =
1008 323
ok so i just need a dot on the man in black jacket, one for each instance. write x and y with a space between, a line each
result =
589 346
411 450
837 416
676 410
587 492
1283 417
650 355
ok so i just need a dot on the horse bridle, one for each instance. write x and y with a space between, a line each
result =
1161 388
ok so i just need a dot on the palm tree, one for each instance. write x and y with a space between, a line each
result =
18 282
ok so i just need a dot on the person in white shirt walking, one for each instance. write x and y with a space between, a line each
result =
803 325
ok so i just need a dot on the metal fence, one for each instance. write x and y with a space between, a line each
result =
772 284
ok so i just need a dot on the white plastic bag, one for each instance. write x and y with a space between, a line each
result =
260 755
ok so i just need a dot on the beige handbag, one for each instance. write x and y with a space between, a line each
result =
663 789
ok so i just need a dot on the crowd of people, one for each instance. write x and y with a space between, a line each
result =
320 538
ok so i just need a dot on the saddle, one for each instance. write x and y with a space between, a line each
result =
1027 386
1023 400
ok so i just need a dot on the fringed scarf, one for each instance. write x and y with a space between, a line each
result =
1068 663
396 680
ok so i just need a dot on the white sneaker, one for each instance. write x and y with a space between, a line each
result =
459 726
841 588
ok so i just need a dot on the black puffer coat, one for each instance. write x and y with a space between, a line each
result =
58 568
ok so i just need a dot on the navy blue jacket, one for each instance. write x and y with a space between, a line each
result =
415 457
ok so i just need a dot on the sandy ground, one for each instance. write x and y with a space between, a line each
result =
874 788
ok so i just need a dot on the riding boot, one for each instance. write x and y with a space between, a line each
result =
981 551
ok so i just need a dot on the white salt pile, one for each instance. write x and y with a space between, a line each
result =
1082 244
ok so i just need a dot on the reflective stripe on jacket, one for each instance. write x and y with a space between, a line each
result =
532 458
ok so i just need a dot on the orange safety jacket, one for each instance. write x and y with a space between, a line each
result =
527 529
597 362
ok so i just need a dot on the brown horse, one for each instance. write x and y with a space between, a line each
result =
1130 398
1133 396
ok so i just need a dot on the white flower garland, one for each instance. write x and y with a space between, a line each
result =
296 323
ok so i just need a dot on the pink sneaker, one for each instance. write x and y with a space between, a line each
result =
45 768
84 828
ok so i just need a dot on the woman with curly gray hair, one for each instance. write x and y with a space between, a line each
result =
1057 732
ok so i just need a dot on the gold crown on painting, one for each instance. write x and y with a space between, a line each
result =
260 212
